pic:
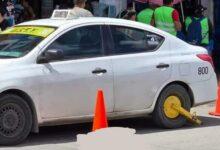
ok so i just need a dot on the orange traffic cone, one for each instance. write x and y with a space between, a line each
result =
100 118
217 110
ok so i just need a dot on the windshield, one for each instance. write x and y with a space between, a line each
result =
19 41
14 46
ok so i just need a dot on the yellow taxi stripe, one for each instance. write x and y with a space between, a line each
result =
30 30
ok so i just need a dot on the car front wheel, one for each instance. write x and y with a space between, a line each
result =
15 120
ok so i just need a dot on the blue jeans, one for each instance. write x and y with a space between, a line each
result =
107 10
11 21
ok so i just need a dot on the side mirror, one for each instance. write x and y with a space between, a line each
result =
50 55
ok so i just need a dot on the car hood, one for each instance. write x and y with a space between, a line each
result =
6 62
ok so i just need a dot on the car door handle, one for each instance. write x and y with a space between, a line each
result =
162 65
99 70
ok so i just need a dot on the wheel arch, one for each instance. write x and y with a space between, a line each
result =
28 99
186 86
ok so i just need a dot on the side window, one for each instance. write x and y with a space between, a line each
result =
83 42
130 40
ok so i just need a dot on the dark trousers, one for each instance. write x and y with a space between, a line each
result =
140 6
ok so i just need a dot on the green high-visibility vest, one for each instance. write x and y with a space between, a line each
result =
205 28
145 16
164 20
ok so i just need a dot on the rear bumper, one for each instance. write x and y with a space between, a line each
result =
205 91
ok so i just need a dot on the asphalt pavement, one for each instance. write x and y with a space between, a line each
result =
205 137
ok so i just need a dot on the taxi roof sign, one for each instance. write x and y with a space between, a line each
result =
62 14
30 30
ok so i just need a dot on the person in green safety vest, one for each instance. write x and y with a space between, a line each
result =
167 18
145 16
199 23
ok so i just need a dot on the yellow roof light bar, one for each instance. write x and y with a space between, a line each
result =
30 30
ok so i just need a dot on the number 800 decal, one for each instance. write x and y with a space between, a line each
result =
203 70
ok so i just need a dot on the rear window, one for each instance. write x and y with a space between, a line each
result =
131 40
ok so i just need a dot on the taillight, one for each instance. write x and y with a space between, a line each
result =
206 57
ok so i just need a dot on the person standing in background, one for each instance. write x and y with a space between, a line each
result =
167 18
111 8
145 16
19 11
10 12
63 4
79 9
3 22
199 29
8 6
130 5
28 13
129 15
140 5
95 7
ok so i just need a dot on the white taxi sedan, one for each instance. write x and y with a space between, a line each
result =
51 70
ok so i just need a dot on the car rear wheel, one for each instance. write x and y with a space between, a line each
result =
166 117
15 120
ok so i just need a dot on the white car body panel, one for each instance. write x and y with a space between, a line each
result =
69 88
132 84
139 75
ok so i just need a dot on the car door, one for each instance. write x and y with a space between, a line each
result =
69 85
140 65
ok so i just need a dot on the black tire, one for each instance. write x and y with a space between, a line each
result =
15 120
159 116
